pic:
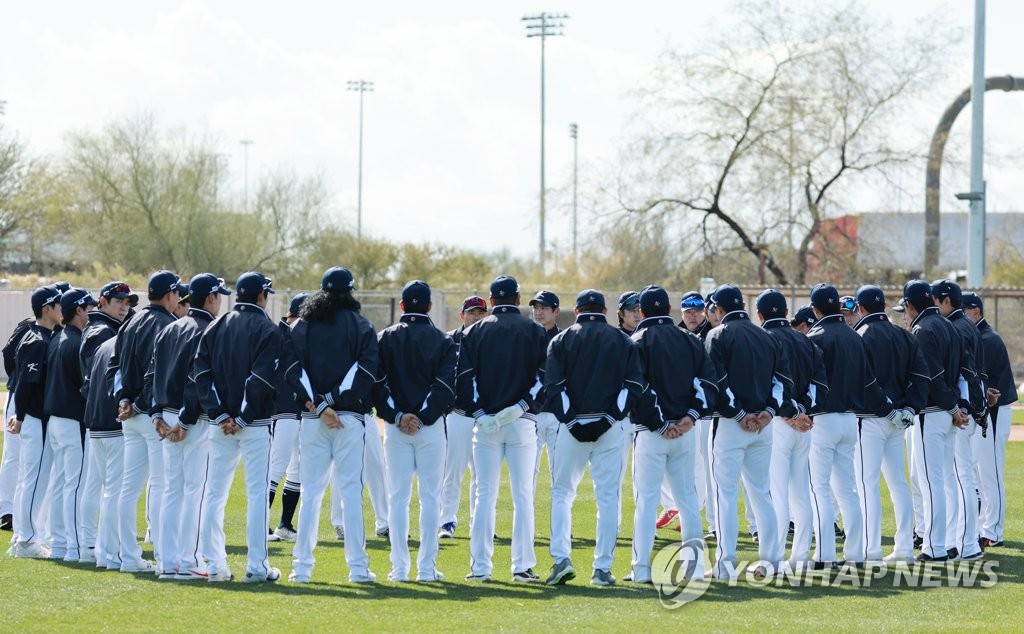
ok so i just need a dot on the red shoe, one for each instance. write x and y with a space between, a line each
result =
666 518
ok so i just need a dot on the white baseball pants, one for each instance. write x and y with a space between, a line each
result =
34 464
458 457
373 477
932 448
66 438
833 444
961 493
990 456
9 463
791 489
547 430
102 492
185 465
880 450
143 456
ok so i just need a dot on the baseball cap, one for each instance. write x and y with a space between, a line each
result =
63 287
416 295
804 315
692 300
44 296
183 293
629 300
654 300
918 293
504 287
118 290
771 304
76 297
728 297
474 302
163 282
337 278
545 298
589 296
972 300
947 288
871 298
296 303
205 284
709 301
901 307
252 283
847 303
824 296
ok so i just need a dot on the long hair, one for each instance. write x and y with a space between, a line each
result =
322 305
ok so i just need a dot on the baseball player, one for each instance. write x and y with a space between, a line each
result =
36 454
752 389
629 312
932 437
713 318
682 385
545 312
459 432
234 371
284 451
902 374
592 378
180 422
142 451
64 410
803 319
184 301
414 388
695 320
629 317
332 363
990 447
961 475
791 430
848 307
500 372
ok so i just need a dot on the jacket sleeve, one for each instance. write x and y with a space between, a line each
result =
259 391
532 402
31 361
203 368
817 388
153 408
383 400
633 384
361 375
127 379
705 384
726 405
555 383
783 384
466 396
918 383
442 390
939 391
11 347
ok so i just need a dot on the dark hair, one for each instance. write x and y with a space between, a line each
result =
505 301
593 308
37 313
828 310
658 311
921 304
68 315
322 305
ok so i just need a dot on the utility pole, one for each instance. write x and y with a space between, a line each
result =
976 221
245 145
543 25
574 134
362 87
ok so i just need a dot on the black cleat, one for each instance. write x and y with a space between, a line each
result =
6 522
929 559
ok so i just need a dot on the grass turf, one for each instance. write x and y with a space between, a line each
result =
46 595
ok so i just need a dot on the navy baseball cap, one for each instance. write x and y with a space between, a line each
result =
205 284
163 282
545 298
901 307
654 300
296 303
76 297
728 297
947 288
63 287
709 301
804 315
824 296
474 302
629 300
504 287
183 293
972 300
337 279
590 296
45 296
692 300
118 290
918 293
416 296
252 283
771 304
871 298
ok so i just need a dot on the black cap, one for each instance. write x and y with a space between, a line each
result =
589 296
654 300
118 290
545 298
63 287
728 297
296 303
918 293
871 298
771 304
162 282
205 284
76 297
416 296
252 283
825 298
947 288
337 279
183 293
692 300
971 299
45 296
804 315
629 300
474 302
504 287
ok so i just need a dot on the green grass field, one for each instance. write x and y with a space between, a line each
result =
48 596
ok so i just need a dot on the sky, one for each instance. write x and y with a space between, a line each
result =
451 130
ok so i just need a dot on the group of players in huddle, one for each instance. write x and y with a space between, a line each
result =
804 412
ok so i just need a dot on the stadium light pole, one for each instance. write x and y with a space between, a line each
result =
362 87
976 220
543 25
574 135
245 152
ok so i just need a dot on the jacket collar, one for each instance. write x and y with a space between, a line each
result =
589 317
660 320
199 313
99 315
983 325
736 315
931 310
870 319
415 318
777 322
956 314
157 308
506 309
245 307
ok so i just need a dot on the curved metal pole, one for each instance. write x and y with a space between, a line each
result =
932 175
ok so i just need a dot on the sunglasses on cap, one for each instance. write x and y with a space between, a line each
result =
848 303
476 302
117 288
694 303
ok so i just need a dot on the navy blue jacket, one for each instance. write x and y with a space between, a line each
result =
851 384
337 360
416 373
133 353
30 371
896 362
235 366
806 368
173 381
285 405
100 406
942 349
501 363
680 377
100 328
456 336
997 364
592 371
11 349
973 371
753 376
63 397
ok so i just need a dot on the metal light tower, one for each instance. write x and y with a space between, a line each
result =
574 135
362 87
245 148
976 221
543 25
